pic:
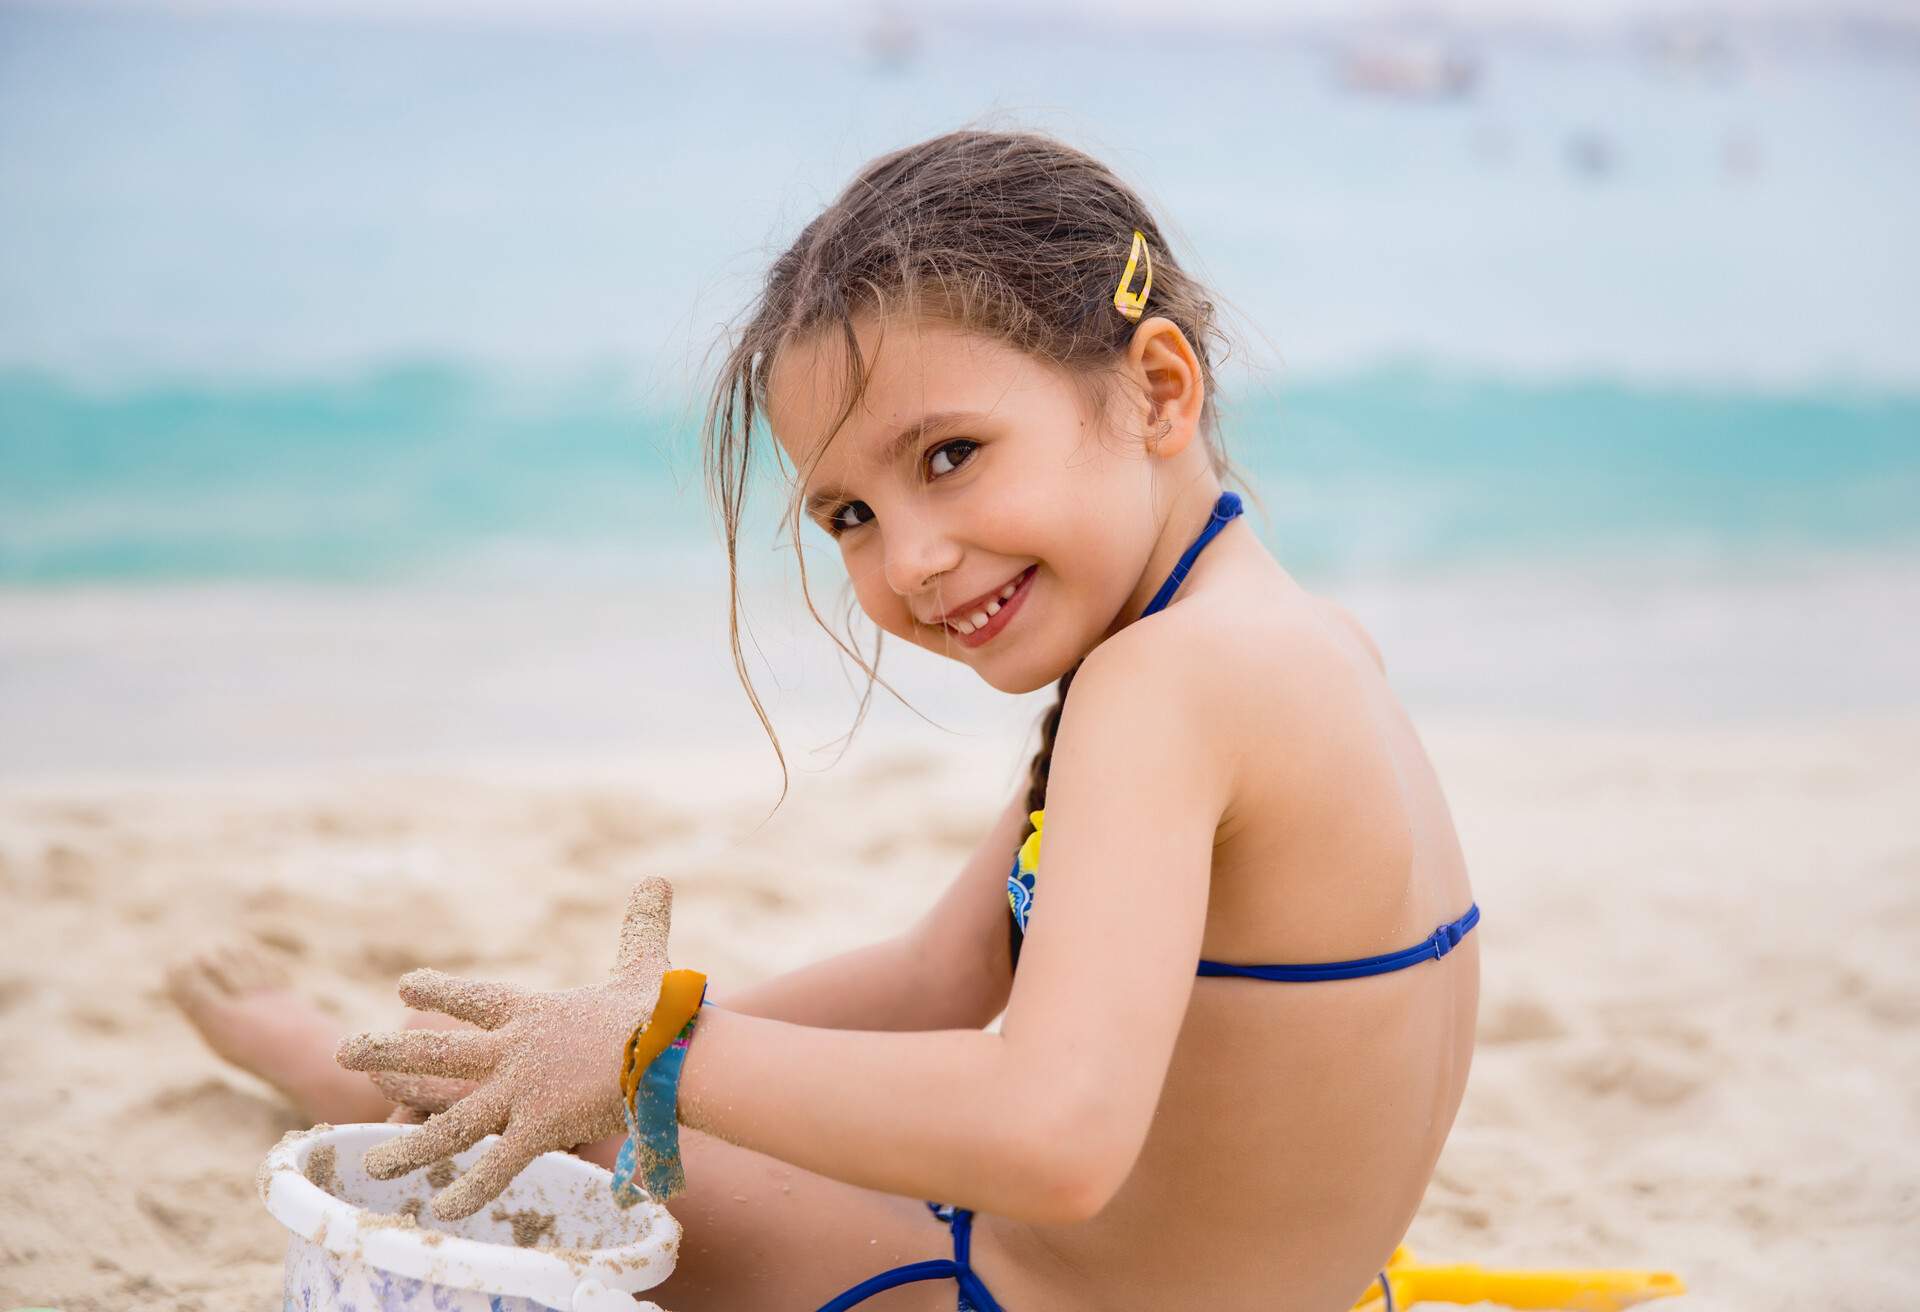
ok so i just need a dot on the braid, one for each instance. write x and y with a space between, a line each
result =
1043 759
1037 787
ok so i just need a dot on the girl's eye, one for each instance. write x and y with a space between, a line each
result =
837 524
934 457
940 456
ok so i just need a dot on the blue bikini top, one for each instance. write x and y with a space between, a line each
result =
1026 862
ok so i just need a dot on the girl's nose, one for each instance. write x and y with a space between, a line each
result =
917 554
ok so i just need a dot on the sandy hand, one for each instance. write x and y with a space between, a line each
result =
545 1067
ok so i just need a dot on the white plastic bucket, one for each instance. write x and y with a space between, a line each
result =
363 1243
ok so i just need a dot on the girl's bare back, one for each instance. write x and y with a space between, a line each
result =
1299 1122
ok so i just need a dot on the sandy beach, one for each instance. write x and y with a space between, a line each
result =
1697 1037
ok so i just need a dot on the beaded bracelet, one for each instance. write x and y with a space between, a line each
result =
649 1162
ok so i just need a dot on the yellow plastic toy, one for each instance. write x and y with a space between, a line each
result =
1574 1291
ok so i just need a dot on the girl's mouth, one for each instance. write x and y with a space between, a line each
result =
1010 602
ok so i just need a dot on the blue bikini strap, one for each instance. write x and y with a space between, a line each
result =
972 1288
1223 510
1435 946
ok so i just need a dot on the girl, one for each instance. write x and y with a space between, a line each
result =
993 381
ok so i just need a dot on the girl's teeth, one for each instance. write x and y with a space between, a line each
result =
979 618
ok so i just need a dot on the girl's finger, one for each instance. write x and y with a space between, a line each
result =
481 1002
485 1180
444 1135
459 1054
405 1115
426 1093
643 937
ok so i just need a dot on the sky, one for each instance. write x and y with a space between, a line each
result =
1565 13
239 194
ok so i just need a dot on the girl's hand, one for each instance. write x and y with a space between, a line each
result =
545 1066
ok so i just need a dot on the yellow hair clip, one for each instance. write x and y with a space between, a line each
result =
1129 303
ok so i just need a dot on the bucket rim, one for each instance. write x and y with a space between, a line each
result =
312 1214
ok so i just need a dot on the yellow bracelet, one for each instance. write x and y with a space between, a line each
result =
680 994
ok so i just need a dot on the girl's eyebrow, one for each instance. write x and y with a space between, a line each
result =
895 447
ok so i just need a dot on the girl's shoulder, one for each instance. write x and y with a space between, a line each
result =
1344 619
1287 684
1285 648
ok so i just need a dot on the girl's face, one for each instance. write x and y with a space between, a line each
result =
979 509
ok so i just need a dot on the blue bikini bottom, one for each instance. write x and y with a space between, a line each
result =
973 1291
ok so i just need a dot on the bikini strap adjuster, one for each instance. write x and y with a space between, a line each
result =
1444 940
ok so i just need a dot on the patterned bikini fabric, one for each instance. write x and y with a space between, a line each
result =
1020 880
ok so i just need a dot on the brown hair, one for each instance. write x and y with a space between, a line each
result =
1016 235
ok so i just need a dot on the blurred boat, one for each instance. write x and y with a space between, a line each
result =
1740 154
1690 48
1592 153
1414 70
891 39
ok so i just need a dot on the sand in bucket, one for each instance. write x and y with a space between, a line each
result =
554 1239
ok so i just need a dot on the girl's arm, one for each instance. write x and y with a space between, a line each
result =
876 987
1042 1121
952 970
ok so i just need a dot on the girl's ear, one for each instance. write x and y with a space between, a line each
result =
1162 358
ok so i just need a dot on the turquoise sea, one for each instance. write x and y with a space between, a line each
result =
1612 359
1400 470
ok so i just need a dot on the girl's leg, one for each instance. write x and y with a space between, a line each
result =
760 1234
240 1000
242 1003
